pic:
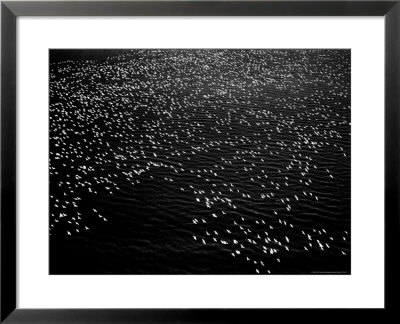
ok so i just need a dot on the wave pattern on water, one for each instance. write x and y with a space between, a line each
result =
200 161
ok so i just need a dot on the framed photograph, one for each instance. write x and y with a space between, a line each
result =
198 161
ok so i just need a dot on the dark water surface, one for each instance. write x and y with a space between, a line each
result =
200 161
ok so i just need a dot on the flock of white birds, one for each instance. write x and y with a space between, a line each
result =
233 129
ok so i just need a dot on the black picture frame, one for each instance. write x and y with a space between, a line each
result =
10 10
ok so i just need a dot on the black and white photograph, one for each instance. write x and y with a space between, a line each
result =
200 161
